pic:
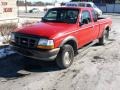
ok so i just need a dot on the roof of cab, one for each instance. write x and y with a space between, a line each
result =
82 2
80 8
77 3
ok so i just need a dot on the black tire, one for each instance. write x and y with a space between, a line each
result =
65 57
104 38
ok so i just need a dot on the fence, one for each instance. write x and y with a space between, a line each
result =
109 8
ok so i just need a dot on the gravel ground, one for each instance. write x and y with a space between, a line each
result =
97 68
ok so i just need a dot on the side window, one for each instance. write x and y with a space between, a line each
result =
85 17
94 15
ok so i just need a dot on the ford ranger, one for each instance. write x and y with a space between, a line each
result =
60 34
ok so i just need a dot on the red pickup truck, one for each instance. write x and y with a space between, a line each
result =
60 34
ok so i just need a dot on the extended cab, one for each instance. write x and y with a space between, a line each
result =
60 34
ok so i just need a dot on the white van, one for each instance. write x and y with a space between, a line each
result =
85 4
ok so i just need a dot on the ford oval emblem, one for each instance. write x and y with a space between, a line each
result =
24 41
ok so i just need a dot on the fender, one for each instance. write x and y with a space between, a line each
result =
106 26
68 39
104 29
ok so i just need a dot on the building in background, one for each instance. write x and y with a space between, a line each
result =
8 11
104 1
100 1
117 1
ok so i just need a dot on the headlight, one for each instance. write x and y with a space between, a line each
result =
12 37
45 44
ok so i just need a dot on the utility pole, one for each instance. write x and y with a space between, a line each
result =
26 6
18 8
55 2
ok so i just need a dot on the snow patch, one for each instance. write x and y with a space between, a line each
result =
5 52
1 40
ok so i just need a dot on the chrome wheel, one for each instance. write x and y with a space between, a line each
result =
67 58
106 34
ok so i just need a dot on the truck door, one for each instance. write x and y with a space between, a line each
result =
85 28
95 25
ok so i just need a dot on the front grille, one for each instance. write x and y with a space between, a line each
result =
26 41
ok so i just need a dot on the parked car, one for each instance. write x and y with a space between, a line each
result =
60 34
34 10
48 7
86 4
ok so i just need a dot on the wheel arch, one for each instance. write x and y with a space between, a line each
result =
71 41
107 27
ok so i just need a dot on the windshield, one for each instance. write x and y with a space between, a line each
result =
61 15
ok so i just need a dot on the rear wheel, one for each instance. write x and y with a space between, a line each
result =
65 57
104 37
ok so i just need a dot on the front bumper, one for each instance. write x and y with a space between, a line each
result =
48 55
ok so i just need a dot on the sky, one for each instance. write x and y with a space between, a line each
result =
49 0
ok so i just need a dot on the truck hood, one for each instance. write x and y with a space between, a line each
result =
48 30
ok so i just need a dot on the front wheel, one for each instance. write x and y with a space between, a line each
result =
65 57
